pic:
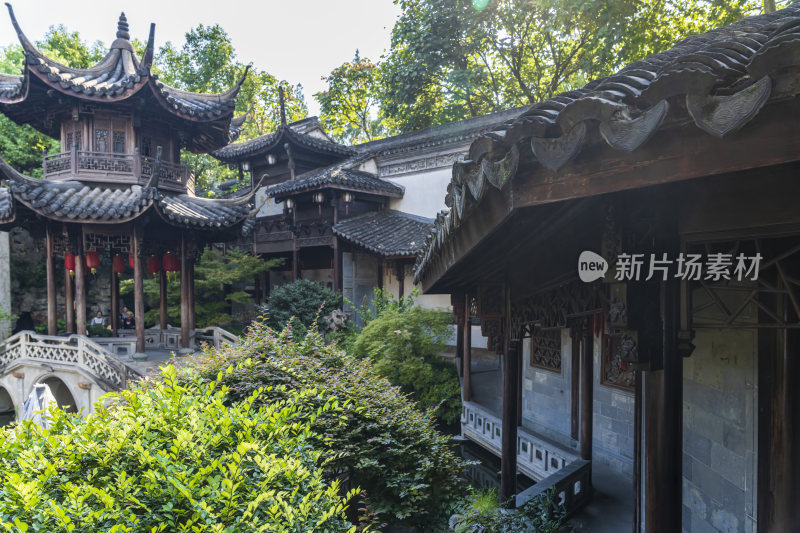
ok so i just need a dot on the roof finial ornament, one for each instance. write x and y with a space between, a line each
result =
283 106
122 28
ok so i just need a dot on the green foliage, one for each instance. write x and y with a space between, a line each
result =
173 457
383 443
98 331
349 106
404 342
303 299
450 60
215 275
207 63
29 274
540 515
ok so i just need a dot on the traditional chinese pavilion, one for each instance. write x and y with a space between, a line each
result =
117 186
679 386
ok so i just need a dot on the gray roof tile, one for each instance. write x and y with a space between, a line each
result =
387 233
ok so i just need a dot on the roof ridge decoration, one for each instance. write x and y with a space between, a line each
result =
723 77
119 76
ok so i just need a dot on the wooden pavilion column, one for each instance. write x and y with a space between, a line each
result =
162 299
508 444
138 291
69 302
190 290
114 298
587 389
466 362
50 267
663 425
185 320
80 284
337 249
401 279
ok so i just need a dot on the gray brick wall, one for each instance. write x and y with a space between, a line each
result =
546 395
612 427
719 435
546 408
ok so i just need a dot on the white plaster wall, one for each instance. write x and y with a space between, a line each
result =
267 206
428 301
425 192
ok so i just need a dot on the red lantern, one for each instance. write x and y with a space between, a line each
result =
69 263
130 261
92 261
154 264
170 263
118 265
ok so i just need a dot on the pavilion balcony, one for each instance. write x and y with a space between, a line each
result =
114 168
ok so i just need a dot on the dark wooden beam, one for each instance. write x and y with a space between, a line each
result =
296 272
80 284
50 268
138 288
190 291
637 454
399 270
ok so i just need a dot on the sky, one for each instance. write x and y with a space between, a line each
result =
296 40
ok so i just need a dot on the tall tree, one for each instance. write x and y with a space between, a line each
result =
451 59
349 107
207 63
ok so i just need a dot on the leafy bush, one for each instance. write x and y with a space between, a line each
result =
540 515
304 300
404 341
385 445
172 457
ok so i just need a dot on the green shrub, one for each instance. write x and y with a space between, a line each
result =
385 445
405 342
539 515
303 299
172 457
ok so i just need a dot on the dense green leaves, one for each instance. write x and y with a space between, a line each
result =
349 106
384 444
307 301
173 457
405 342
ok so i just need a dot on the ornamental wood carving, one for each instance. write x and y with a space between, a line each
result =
546 348
552 308
619 356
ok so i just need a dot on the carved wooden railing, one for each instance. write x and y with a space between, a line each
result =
112 164
74 350
537 457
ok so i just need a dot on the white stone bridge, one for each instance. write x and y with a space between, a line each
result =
78 370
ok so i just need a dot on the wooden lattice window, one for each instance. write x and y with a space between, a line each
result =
119 142
73 138
100 140
546 348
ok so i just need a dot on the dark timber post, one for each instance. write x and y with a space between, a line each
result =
401 279
162 299
80 284
184 294
778 419
52 322
295 263
114 298
190 291
508 445
69 302
575 385
467 361
138 291
587 389
663 425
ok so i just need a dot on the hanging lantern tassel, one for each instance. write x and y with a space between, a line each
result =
69 263
92 260
118 265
